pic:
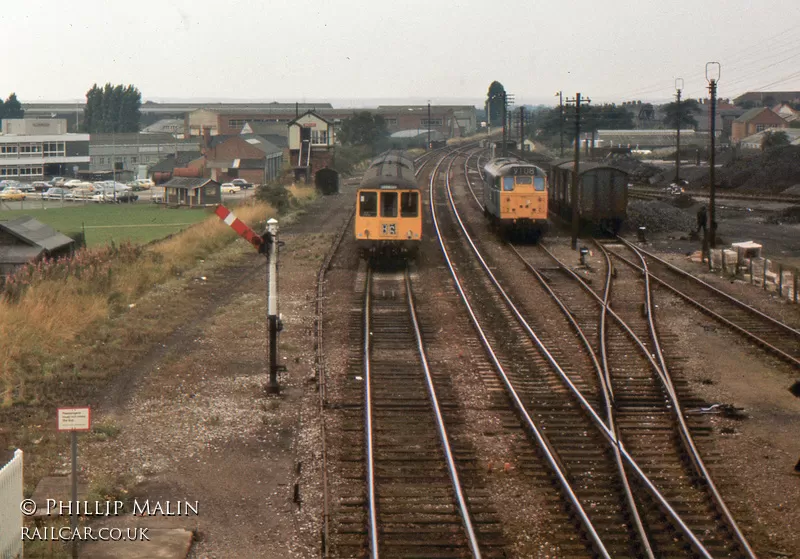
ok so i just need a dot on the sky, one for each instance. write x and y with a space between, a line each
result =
361 53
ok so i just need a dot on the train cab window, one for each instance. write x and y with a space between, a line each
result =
368 204
388 204
524 180
508 184
538 184
409 203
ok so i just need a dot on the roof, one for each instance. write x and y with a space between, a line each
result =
584 167
36 233
168 125
261 143
235 164
309 112
751 114
754 140
188 183
416 133
391 168
169 163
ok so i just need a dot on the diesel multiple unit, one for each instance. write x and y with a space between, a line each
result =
389 207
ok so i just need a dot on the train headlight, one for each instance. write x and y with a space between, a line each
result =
409 235
366 233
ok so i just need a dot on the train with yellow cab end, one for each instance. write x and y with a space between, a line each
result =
388 218
515 196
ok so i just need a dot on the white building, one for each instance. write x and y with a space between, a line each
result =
35 148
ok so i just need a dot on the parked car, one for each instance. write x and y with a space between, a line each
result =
12 194
26 188
126 197
241 183
42 186
141 184
72 183
56 193
82 193
229 188
58 181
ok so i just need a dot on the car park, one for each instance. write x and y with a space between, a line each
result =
82 193
26 188
72 183
229 188
58 181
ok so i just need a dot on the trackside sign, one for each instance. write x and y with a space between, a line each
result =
74 419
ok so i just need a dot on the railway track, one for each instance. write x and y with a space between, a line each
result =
777 338
642 192
644 399
403 495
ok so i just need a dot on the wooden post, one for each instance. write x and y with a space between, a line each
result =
724 266
752 279
764 282
780 280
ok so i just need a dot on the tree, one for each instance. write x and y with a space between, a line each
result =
112 109
11 108
495 98
774 139
688 108
363 129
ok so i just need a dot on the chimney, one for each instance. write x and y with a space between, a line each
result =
206 138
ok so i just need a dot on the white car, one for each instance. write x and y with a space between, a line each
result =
72 183
229 188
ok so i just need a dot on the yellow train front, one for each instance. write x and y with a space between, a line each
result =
515 195
388 216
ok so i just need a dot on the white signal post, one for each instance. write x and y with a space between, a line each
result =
74 420
272 305
267 245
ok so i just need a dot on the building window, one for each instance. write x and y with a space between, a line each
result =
433 122
390 121
319 137
760 127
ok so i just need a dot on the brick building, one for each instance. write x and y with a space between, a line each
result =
245 156
756 120
311 148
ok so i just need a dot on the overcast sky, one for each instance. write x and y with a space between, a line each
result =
350 51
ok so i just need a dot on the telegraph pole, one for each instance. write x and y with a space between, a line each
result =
678 87
505 131
574 194
429 125
561 119
712 75
522 128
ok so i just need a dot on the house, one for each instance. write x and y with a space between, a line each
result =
786 112
756 120
192 192
26 239
768 97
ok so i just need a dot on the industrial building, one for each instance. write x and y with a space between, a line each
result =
35 148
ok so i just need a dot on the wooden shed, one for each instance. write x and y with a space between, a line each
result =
26 239
192 192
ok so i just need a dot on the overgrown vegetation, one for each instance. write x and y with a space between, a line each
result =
45 306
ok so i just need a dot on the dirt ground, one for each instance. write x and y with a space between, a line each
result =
191 420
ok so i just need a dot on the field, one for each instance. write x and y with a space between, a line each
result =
138 223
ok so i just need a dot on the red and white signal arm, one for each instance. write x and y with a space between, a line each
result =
74 419
239 226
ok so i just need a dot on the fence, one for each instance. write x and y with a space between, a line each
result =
769 274
10 515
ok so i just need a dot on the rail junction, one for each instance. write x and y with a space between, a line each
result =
588 392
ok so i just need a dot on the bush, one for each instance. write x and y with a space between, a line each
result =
276 195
